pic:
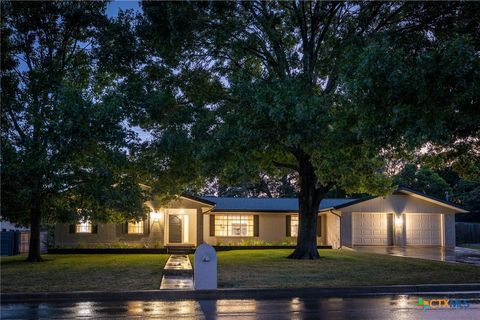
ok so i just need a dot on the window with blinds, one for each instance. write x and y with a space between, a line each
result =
294 226
83 227
234 225
135 227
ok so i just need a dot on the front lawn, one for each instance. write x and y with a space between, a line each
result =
269 268
79 272
241 268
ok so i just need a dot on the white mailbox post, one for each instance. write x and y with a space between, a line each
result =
205 271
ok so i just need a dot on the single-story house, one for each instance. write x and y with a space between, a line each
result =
405 218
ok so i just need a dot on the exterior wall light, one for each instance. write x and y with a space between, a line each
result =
398 221
155 215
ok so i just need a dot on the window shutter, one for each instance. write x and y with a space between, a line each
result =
289 226
125 227
319 226
95 228
146 226
212 225
255 226
71 228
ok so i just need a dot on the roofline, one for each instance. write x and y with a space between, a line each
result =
198 199
253 211
410 192
258 211
348 204
432 199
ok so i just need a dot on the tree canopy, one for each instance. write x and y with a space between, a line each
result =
63 145
328 91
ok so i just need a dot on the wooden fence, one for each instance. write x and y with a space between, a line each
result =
467 232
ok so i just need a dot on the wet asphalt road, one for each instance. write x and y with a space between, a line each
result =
384 307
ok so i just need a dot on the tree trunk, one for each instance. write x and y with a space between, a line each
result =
308 202
34 246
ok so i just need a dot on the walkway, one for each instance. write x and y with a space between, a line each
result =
178 273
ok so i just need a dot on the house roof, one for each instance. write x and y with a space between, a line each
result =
231 204
225 204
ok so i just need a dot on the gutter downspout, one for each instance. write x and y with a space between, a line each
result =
340 231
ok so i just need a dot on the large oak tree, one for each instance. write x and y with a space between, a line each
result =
330 92
64 148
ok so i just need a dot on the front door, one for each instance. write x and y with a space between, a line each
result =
174 229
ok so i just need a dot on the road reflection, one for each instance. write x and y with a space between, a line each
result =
396 307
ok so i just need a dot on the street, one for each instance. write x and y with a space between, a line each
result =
381 307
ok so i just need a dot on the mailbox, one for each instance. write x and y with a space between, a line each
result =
205 269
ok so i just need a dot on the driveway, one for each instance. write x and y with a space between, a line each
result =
462 255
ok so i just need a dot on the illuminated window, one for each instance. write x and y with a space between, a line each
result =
234 226
294 226
135 227
83 227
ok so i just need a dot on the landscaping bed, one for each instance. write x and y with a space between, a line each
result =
162 250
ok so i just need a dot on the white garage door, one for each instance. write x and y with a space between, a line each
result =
423 229
372 229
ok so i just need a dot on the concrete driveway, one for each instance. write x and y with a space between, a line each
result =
461 255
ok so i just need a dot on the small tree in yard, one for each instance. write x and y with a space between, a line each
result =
232 90
63 146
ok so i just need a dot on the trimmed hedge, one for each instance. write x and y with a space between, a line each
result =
161 250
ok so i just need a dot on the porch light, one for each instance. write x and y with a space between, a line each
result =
398 221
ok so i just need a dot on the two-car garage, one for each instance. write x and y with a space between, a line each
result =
378 229
404 218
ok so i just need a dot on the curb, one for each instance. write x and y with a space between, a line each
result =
248 293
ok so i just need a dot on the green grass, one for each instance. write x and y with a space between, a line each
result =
81 272
270 268
475 246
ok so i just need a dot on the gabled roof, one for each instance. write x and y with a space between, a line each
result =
198 199
414 193
226 204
